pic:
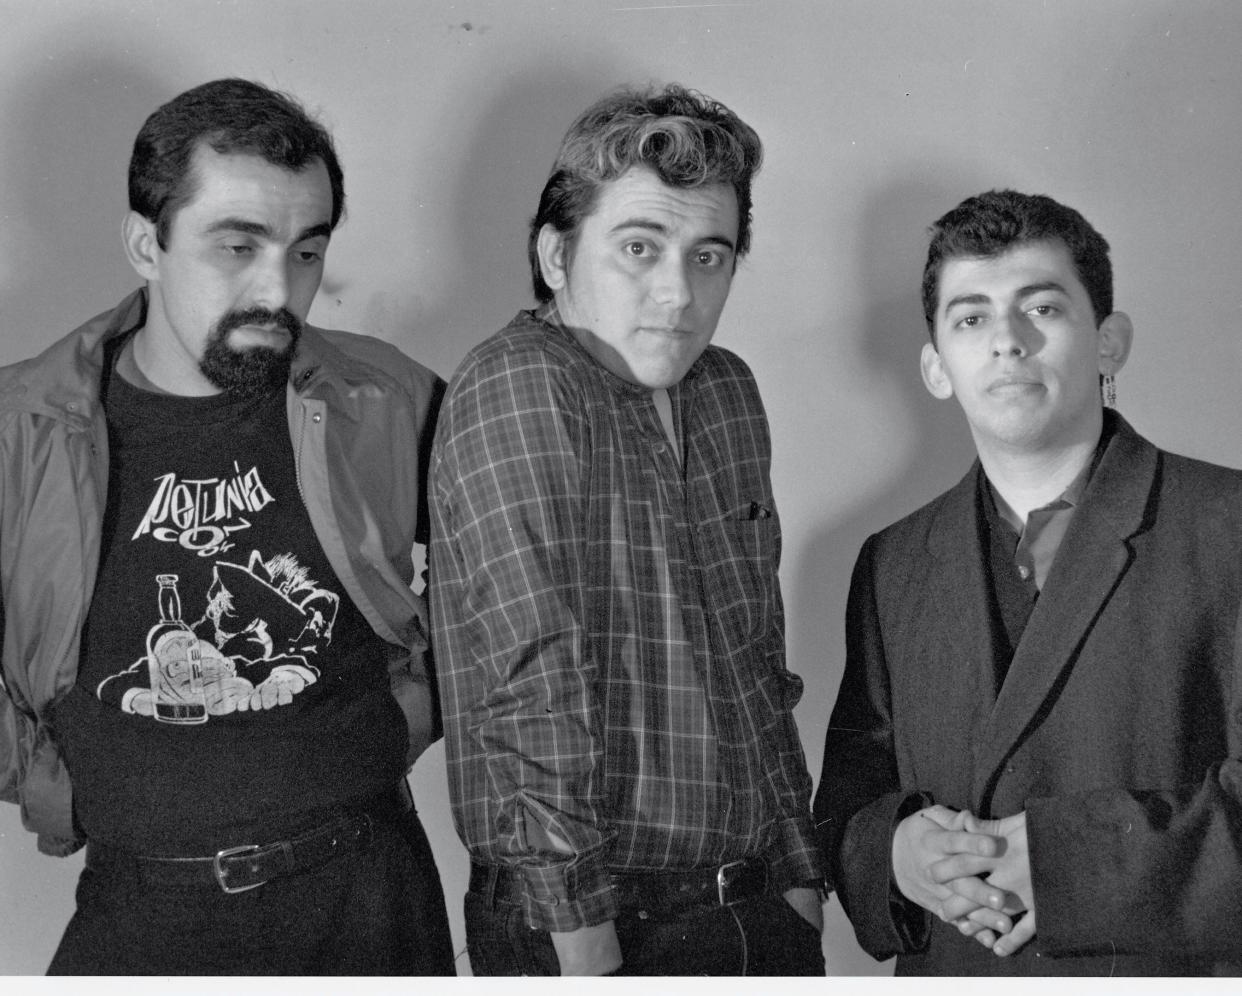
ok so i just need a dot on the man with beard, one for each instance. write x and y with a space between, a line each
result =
197 423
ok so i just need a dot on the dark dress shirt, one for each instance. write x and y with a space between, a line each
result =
1020 554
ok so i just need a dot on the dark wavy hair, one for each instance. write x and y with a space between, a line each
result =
229 116
684 137
992 223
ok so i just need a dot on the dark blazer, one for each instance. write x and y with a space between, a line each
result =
1118 728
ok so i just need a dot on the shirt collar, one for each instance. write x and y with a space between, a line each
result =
1071 496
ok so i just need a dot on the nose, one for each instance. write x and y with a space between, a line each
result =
1009 335
672 283
271 281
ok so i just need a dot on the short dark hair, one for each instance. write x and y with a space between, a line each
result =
684 137
993 222
229 116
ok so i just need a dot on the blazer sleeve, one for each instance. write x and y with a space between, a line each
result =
860 799
1130 871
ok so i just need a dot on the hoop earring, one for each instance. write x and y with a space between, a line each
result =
1108 390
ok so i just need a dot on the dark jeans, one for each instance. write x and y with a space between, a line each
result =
760 936
377 911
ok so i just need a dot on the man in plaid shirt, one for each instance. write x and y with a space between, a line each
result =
607 620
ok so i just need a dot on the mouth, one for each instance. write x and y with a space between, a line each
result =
268 329
263 324
1014 385
259 333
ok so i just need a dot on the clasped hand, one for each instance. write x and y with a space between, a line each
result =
975 874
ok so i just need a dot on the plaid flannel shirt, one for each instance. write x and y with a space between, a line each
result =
607 624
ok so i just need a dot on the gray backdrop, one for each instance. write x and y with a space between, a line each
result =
877 115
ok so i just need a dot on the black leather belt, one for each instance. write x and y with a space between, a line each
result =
720 885
247 866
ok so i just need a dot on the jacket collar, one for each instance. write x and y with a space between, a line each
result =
64 380
314 352
1116 494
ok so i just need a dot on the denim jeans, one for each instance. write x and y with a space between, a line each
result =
377 911
759 936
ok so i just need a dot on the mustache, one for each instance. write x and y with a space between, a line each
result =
281 317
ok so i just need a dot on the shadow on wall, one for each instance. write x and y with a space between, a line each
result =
65 174
495 189
1167 115
70 128
891 244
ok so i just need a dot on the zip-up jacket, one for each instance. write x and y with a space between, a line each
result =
361 415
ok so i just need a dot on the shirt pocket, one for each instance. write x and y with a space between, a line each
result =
740 574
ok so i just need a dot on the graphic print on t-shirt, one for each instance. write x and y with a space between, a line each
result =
202 515
249 650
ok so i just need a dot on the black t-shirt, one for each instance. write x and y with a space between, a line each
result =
228 689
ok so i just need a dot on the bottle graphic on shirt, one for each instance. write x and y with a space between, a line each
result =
175 660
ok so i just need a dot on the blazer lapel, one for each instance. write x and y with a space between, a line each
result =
965 624
1093 555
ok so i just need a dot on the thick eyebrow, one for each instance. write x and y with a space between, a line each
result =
315 231
1023 292
647 224
264 231
1043 285
953 302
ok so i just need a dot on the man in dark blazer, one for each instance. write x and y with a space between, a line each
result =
1034 765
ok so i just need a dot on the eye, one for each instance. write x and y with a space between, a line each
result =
637 249
1044 310
308 255
238 249
970 321
710 258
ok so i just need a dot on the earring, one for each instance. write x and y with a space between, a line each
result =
1108 389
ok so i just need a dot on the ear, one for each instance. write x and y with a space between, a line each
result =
550 247
934 375
142 249
1115 334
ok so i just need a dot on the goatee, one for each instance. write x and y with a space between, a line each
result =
256 370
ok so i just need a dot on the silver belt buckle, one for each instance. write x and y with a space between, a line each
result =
722 879
230 852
